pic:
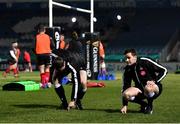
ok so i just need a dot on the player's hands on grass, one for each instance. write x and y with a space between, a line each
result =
124 110
71 105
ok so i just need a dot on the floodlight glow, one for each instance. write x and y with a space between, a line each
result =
74 19
118 17
95 19
83 34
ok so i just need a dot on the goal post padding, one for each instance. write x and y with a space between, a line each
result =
54 33
92 54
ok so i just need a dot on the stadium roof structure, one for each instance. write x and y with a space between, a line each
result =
6 1
121 3
21 1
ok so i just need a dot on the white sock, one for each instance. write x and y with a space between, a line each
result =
57 85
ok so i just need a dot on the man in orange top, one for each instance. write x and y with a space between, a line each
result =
102 56
62 42
43 50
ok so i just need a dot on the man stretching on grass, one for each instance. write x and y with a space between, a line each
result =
68 63
147 75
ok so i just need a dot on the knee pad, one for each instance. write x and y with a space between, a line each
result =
150 95
131 98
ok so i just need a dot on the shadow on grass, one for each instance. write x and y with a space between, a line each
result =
35 106
112 110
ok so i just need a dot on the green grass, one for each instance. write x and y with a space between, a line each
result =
102 105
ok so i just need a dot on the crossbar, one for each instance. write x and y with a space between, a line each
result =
91 12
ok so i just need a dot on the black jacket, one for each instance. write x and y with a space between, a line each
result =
76 46
145 69
73 58
72 66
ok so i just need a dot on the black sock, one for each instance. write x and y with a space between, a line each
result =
60 92
150 102
139 101
81 94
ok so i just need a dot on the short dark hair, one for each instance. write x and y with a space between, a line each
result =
74 35
58 62
13 42
41 28
131 50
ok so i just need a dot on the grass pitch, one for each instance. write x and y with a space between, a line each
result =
102 105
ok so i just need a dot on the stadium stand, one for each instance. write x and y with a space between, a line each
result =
148 34
148 29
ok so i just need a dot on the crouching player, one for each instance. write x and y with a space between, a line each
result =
147 75
69 63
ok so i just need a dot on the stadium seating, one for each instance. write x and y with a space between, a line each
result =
148 34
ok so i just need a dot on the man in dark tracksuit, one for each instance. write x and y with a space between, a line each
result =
67 63
147 75
76 47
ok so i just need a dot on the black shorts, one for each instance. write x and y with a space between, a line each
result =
26 63
11 61
82 63
43 59
77 60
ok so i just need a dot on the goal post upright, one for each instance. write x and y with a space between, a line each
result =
92 17
91 12
91 38
50 13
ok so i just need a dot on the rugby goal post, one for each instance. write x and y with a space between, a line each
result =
92 38
91 12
